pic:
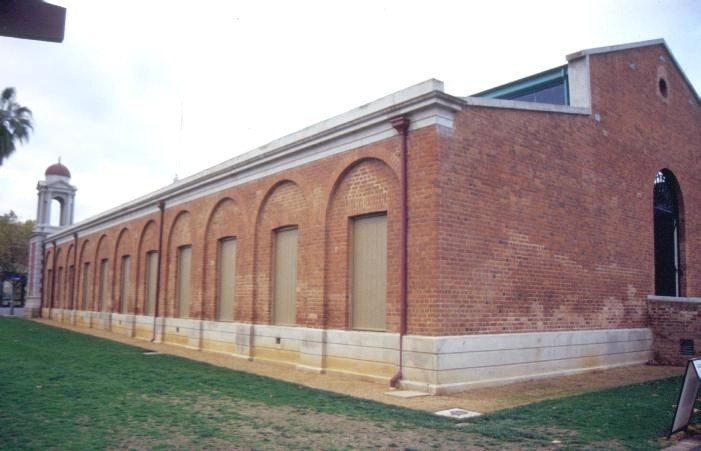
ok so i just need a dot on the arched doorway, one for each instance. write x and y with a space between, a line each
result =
666 223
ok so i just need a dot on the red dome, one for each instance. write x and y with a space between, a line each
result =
58 169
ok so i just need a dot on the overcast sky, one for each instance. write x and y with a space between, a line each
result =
140 91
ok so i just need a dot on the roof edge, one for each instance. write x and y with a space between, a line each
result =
489 102
615 48
635 45
413 98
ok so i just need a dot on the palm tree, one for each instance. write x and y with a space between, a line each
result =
15 123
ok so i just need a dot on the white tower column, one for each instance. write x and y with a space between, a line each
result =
55 186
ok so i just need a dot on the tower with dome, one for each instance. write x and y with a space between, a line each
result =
55 186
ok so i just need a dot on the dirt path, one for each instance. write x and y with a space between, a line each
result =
479 400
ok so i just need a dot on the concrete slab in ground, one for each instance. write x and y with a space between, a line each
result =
458 414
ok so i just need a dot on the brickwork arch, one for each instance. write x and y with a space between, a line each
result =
60 283
83 289
224 221
123 247
180 234
57 300
47 286
365 186
148 242
102 252
283 205
68 284
669 237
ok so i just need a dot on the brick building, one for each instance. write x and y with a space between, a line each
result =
548 226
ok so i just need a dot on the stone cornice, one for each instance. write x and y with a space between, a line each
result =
425 103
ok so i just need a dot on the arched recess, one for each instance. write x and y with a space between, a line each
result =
124 268
147 270
283 209
84 279
178 295
47 279
669 243
59 279
365 189
102 297
69 278
220 273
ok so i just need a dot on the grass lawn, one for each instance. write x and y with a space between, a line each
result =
63 390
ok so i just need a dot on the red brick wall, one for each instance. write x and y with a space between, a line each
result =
104 250
424 307
671 322
57 272
546 218
47 285
319 198
125 246
85 255
148 242
226 220
179 234
67 277
518 220
284 205
653 133
366 187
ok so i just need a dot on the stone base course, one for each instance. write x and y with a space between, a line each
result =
436 365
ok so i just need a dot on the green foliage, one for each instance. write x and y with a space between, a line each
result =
62 390
16 122
14 243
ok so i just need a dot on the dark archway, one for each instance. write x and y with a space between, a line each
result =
667 234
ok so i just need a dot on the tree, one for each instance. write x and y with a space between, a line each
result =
14 243
15 123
